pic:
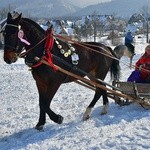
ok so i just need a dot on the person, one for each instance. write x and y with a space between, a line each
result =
142 68
129 41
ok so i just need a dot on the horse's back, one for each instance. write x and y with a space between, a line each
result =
120 50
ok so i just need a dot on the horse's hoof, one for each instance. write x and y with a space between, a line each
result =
86 118
87 113
60 119
127 103
39 127
103 113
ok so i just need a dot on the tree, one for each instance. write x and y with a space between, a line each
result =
4 11
94 23
146 15
114 29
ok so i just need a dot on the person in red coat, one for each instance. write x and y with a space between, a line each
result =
142 68
143 65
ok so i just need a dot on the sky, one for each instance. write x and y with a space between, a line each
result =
123 128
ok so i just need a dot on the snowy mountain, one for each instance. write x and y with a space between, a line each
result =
78 3
60 8
41 8
123 8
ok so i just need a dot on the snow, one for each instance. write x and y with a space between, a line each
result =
123 128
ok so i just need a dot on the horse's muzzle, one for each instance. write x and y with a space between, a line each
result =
10 57
7 60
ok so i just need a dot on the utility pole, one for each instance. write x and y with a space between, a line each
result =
94 20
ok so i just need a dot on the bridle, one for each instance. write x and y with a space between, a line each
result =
17 48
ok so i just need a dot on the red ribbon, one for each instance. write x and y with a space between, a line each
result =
48 47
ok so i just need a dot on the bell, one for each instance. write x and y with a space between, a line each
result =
69 52
72 48
66 54
57 42
62 51
69 44
59 46
74 62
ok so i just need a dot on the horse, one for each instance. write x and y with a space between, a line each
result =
23 36
123 50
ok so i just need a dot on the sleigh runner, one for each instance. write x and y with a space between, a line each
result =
132 92
140 92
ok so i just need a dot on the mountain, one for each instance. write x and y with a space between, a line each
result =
48 8
61 8
42 8
122 8
78 3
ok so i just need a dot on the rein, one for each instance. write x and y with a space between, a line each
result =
22 55
48 56
85 45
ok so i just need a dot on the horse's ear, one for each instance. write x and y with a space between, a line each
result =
19 17
9 16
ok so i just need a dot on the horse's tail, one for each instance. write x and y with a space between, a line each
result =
115 68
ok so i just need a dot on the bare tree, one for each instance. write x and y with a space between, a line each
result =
146 15
114 29
94 24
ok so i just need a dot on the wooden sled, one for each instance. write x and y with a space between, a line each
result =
140 92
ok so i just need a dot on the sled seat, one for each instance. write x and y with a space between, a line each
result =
134 89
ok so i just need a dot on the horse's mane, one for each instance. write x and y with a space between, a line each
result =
34 24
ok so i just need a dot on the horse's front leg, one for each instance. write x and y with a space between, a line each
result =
42 117
46 93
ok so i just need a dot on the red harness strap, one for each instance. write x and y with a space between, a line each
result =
47 48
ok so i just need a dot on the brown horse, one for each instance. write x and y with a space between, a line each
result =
24 34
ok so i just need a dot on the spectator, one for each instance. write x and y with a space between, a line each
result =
142 68
129 41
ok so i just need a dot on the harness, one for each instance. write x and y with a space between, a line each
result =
47 48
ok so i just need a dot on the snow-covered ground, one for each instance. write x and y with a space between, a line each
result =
123 128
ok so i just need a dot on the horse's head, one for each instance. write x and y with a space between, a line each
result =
12 44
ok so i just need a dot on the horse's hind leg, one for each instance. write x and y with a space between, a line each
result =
105 103
97 95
